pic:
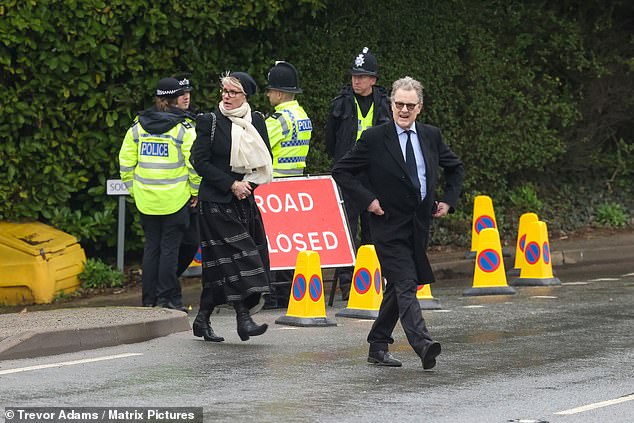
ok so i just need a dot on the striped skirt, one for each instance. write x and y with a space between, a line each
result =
235 254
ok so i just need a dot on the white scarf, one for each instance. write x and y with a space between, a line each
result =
249 155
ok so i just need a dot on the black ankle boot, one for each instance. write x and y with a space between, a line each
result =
246 325
203 329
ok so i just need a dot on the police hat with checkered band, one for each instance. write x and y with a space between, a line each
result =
283 77
365 64
184 79
169 87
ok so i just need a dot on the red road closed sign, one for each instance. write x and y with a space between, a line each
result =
304 214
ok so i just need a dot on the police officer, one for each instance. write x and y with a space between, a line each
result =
358 106
191 238
155 167
289 130
185 100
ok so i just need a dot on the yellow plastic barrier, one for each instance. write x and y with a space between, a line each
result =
489 277
538 269
306 305
425 299
520 261
366 291
483 218
37 262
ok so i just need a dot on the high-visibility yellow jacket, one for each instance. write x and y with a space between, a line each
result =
154 162
289 130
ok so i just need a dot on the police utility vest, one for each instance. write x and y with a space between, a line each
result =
363 122
289 130
156 168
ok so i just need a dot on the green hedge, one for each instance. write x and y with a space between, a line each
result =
508 82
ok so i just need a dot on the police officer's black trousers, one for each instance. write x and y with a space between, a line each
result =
163 235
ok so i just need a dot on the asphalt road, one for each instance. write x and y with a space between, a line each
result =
535 356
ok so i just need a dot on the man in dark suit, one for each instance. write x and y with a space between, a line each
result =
401 161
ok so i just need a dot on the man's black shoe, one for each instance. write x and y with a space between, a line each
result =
383 358
429 355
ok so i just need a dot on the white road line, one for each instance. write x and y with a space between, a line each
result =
596 405
604 280
548 297
575 283
287 328
67 363
473 306
628 274
441 311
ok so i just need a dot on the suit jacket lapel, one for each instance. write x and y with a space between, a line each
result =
424 143
393 146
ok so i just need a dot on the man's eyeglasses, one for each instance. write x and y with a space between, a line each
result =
230 93
410 106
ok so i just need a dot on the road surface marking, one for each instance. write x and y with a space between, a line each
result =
548 297
596 405
575 283
67 363
628 274
603 280
473 306
287 328
441 311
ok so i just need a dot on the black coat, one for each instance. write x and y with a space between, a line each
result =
400 235
211 158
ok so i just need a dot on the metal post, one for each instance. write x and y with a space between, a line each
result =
121 233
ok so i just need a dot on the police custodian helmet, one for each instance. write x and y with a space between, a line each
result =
169 87
283 77
184 80
365 64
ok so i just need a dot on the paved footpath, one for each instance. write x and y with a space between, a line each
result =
110 320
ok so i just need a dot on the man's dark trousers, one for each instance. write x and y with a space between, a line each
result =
399 301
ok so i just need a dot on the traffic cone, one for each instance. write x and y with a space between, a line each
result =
483 218
520 262
306 306
425 299
538 269
366 290
489 277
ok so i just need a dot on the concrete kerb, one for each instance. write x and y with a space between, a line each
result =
86 328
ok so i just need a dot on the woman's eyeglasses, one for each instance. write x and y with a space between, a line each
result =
410 106
230 93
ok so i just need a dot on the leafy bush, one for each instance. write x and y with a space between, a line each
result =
97 274
525 92
611 214
524 199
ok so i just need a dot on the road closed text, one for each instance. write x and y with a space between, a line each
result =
314 241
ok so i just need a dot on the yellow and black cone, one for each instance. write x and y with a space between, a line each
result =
366 290
520 261
489 277
425 299
538 269
306 305
483 218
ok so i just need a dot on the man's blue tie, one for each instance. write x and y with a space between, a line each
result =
410 161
